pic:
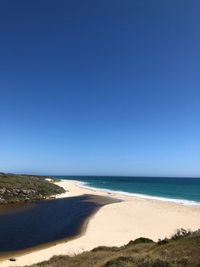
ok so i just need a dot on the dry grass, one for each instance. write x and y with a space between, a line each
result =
183 251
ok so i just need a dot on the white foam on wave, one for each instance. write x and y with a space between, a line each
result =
180 201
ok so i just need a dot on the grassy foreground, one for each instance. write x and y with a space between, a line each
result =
19 188
182 250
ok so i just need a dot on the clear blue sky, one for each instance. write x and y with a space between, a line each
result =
100 87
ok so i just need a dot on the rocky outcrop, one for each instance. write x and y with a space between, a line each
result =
18 194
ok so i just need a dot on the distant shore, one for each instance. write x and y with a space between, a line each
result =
118 223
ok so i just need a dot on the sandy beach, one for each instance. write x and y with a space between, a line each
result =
118 223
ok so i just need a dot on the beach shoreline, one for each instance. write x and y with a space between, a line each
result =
117 223
135 195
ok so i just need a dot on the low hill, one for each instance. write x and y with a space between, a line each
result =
182 250
19 188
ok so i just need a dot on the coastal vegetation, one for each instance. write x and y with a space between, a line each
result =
181 250
16 188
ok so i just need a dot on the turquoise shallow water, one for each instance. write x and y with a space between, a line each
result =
184 190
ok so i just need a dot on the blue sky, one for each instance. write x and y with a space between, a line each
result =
100 87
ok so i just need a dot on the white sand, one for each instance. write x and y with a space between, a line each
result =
116 224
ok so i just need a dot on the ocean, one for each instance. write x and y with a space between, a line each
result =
182 190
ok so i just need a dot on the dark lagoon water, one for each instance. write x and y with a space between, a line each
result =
182 190
31 224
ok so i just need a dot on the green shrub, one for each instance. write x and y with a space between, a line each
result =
180 233
162 241
140 240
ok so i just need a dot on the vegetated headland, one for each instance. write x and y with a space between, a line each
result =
16 188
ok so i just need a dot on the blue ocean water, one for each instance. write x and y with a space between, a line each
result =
184 190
